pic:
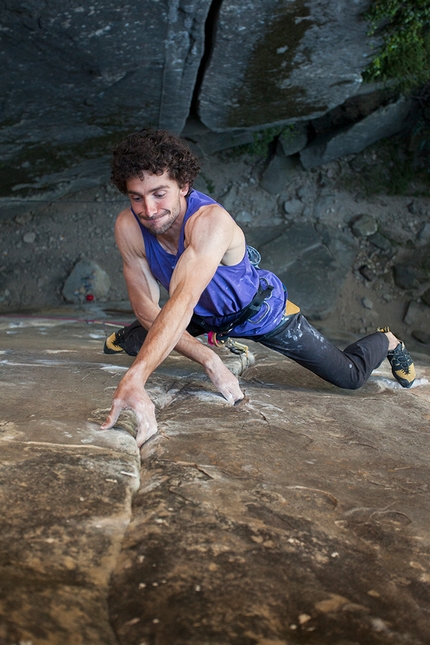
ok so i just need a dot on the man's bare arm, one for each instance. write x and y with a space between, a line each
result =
143 294
147 311
209 236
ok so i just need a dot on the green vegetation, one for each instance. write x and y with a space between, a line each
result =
404 57
264 141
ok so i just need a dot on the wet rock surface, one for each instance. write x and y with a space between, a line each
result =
299 515
301 521
66 488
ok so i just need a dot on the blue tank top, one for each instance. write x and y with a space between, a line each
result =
232 287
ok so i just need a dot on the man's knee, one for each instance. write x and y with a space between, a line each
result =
355 382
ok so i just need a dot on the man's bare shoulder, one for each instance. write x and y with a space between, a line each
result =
127 233
212 215
126 223
125 218
212 223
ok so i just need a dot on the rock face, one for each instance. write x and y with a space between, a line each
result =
382 123
300 515
305 256
66 489
104 70
75 79
282 61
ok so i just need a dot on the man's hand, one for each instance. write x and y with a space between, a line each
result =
225 381
130 395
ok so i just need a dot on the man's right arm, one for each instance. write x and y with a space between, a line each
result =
143 292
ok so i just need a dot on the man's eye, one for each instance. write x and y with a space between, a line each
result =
160 195
135 199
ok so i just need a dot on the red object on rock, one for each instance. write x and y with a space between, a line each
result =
89 297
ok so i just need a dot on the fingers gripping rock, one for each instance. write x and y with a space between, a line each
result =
131 395
225 382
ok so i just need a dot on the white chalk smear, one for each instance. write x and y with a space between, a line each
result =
114 369
391 384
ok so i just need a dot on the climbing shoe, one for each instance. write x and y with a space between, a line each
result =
113 343
383 329
402 365
401 362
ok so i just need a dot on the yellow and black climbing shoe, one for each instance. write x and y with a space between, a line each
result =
113 343
402 365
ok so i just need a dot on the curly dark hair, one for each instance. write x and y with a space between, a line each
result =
153 151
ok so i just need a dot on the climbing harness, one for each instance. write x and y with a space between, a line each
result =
239 318
220 338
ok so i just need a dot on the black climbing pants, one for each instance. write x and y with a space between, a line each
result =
295 338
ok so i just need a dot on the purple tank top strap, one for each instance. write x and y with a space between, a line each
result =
195 201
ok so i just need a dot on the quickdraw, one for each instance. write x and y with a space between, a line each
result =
233 345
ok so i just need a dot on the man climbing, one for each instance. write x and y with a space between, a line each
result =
182 239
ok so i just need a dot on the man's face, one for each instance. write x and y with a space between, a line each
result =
157 201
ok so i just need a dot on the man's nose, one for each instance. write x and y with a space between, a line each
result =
150 207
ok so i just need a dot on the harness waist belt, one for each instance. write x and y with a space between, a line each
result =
240 317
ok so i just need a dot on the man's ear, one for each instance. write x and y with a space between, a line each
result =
183 190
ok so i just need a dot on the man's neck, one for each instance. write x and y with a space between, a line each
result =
170 239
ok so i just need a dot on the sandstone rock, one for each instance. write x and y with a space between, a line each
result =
231 508
228 198
211 142
418 315
104 72
424 234
24 218
244 504
66 488
367 273
381 242
293 207
405 276
367 303
244 217
425 297
323 206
